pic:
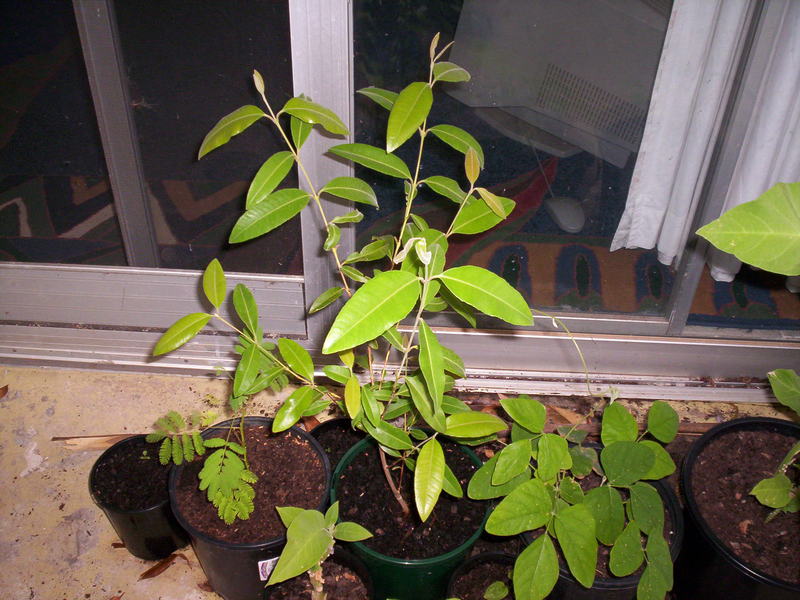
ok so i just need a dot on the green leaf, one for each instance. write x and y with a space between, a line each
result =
352 396
431 362
775 492
447 71
332 514
651 585
511 462
526 508
214 283
452 362
663 464
268 177
570 491
659 558
575 530
373 158
180 332
293 408
245 305
786 387
458 139
354 274
288 514
473 424
489 293
246 370
409 111
353 189
447 187
300 131
334 235
496 591
337 373
480 485
424 403
376 250
384 98
472 166
605 504
553 456
647 508
229 126
464 310
391 436
536 570
428 477
496 203
383 301
350 532
526 411
307 545
627 554
572 434
325 299
764 232
583 460
625 463
273 211
476 216
297 357
313 113
662 421
392 335
451 484
618 425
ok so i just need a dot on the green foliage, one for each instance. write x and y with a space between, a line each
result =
226 479
179 437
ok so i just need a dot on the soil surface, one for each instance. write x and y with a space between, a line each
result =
290 473
341 583
472 583
127 481
725 472
336 437
365 498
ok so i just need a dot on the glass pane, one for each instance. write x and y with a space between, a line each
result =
55 202
558 100
189 64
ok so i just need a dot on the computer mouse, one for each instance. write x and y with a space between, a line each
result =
566 212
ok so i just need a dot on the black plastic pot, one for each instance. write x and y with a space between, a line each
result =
151 533
473 562
339 425
708 569
347 559
240 571
406 579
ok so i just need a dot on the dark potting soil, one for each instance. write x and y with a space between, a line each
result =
290 473
725 472
341 583
337 438
365 498
129 481
472 584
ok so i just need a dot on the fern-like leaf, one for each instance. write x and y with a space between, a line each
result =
214 443
188 447
199 446
177 451
239 449
155 437
165 452
237 402
176 421
249 476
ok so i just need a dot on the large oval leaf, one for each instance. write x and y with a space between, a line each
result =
647 508
428 477
458 139
409 111
273 211
373 158
526 411
625 463
536 570
526 508
214 283
431 362
353 189
662 421
476 216
384 98
627 554
316 114
180 332
489 293
473 424
297 357
229 126
512 461
605 504
268 177
293 408
552 457
377 305
618 425
307 544
575 530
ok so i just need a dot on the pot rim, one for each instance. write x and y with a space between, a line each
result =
742 423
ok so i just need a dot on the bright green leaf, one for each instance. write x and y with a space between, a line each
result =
495 203
214 283
605 504
431 362
246 370
511 462
313 113
663 464
300 131
391 436
618 425
451 484
786 387
297 357
288 514
325 299
476 216
428 477
373 158
229 126
489 293
526 411
245 305
293 408
458 139
536 570
526 508
353 189
447 187
480 485
268 177
553 456
384 98
180 332
409 111
662 421
352 396
575 530
447 71
473 424
273 211
332 240
472 166
775 492
350 532
307 545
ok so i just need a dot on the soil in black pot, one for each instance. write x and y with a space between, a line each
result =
336 437
341 583
365 498
472 583
130 477
290 473
725 472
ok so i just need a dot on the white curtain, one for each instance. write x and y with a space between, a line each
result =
688 98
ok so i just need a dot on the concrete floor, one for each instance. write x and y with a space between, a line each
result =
54 542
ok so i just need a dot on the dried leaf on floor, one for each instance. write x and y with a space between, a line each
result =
159 567
3 391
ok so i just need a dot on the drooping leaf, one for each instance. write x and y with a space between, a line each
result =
662 421
297 357
353 189
452 362
618 425
314 113
627 554
431 362
447 71
527 411
647 508
410 109
229 126
476 216
575 530
293 408
764 232
377 305
300 131
480 485
325 299
536 570
390 436
553 456
273 211
786 387
458 139
451 484
625 463
373 158
307 544
511 462
180 332
526 508
428 477
473 424
214 283
489 293
447 187
663 465
495 202
384 98
271 173
333 238
245 306
605 504
424 403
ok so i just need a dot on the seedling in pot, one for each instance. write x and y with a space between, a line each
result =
538 475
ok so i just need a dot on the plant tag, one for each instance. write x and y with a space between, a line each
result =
265 567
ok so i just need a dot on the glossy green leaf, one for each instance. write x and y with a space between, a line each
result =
325 299
370 406
495 203
452 363
618 425
272 212
354 274
447 71
489 293
775 491
313 113
297 357
300 131
351 532
375 250
229 126
424 403
480 485
180 332
332 240
764 232
527 411
288 514
512 461
663 465
268 177
458 139
472 166
627 554
384 98
464 310
373 158
662 421
245 305
353 189
428 477
575 530
447 187
352 396
246 370
337 373
625 463
392 335
410 109
786 387
476 216
294 407
392 437
536 570
332 514
381 302
553 456
605 504
473 424
583 460
526 508
431 362
451 484
214 283
307 544
647 508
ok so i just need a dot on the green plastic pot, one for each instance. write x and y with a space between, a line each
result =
407 579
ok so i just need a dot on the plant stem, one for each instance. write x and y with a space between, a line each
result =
395 491
317 583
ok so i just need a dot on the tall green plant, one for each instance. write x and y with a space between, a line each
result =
392 279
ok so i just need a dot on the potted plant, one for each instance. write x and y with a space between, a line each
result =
408 279
743 527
